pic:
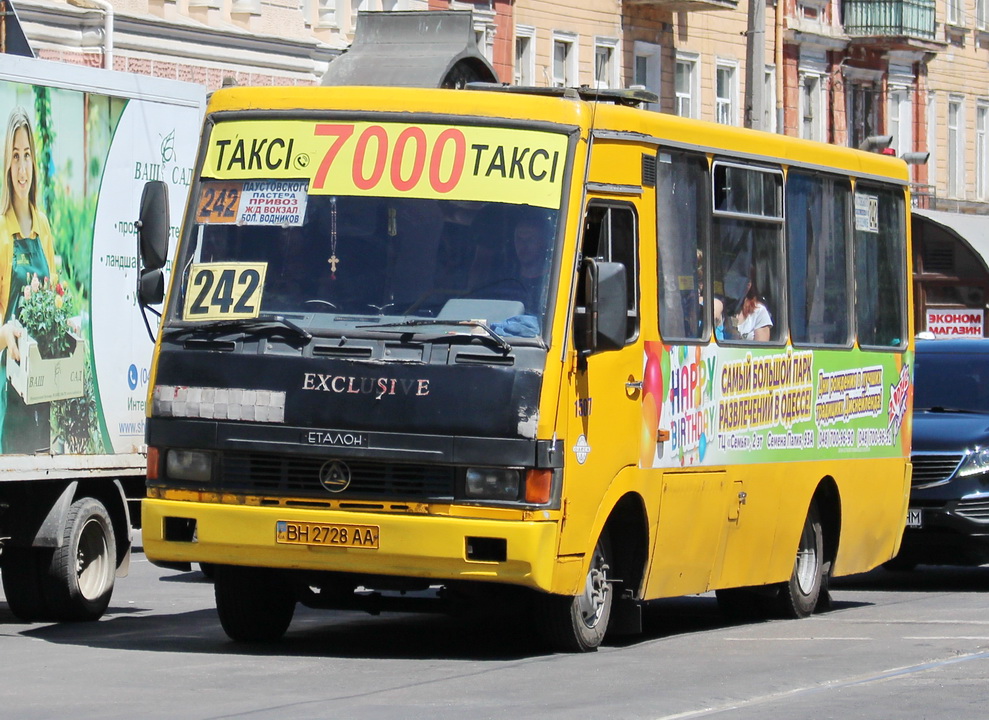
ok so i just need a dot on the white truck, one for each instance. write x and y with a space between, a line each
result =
72 396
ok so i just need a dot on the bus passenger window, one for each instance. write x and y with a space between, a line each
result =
683 227
747 251
817 228
880 273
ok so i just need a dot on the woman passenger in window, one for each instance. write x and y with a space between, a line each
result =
753 321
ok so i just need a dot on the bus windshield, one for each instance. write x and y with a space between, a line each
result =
350 261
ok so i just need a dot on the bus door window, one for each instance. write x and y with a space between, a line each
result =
683 229
610 235
880 271
747 250
818 221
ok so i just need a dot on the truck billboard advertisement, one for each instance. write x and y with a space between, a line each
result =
74 351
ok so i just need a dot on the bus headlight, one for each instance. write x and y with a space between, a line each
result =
492 484
191 465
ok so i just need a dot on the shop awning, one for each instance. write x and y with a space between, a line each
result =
973 230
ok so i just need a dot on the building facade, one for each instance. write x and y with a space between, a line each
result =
907 77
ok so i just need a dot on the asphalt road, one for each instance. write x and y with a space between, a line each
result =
896 645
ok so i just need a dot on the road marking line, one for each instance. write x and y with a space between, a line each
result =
835 685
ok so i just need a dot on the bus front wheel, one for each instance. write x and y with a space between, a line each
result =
799 595
579 623
254 604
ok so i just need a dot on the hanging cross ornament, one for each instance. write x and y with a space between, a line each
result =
333 260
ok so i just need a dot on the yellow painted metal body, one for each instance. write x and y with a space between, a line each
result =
701 534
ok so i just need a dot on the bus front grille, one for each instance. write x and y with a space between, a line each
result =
265 474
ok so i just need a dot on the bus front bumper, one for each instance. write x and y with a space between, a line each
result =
433 547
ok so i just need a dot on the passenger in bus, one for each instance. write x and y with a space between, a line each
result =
753 321
718 305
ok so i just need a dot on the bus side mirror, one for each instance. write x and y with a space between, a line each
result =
152 242
605 295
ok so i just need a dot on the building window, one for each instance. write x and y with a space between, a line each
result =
525 56
769 97
861 111
726 94
954 12
811 107
605 67
932 123
981 21
981 150
686 86
564 60
646 71
900 114
956 147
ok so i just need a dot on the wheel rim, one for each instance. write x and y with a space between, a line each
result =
92 565
808 565
591 604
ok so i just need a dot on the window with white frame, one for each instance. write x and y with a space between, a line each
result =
811 107
726 93
981 150
956 146
685 86
953 12
564 60
605 65
769 98
981 10
525 55
646 69
900 119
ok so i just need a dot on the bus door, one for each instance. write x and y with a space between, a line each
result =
604 422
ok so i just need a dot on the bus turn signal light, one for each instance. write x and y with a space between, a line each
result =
538 486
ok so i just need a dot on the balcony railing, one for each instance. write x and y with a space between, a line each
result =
688 5
890 18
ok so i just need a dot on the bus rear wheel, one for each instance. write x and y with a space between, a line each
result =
254 604
799 595
579 623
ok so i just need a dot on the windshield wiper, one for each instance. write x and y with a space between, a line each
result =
498 340
264 321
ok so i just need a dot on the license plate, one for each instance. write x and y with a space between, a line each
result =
327 534
915 518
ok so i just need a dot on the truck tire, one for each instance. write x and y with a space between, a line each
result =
79 580
799 595
22 573
254 604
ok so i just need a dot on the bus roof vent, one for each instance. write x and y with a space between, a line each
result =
412 49
632 97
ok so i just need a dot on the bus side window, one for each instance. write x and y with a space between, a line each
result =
610 235
880 272
817 227
683 230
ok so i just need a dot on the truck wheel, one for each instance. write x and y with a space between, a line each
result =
254 604
79 581
22 569
579 623
798 596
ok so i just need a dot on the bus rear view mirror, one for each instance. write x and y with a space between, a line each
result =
151 287
604 291
152 227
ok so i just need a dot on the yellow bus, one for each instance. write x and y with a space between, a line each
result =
526 340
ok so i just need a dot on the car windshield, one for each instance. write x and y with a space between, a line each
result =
956 381
344 263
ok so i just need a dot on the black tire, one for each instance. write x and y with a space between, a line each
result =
79 581
22 582
254 604
799 595
580 623
207 569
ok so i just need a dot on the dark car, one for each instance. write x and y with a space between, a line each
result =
948 520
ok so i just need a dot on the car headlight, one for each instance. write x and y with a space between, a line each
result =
975 462
191 465
492 484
